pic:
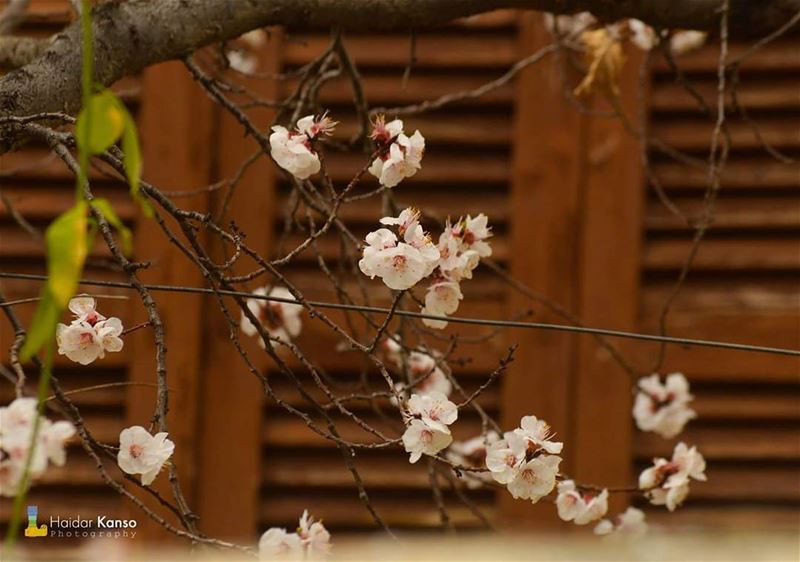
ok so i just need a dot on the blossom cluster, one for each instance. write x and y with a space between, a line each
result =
90 335
526 460
17 422
142 453
428 430
404 259
281 320
311 541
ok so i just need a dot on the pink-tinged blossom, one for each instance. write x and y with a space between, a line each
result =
441 299
504 456
142 453
277 544
420 439
407 222
434 409
400 265
17 422
667 481
90 335
663 407
399 156
534 478
580 506
280 319
537 434
631 523
422 367
314 538
293 150
85 310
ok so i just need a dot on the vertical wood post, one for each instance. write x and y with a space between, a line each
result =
232 398
610 251
544 201
174 128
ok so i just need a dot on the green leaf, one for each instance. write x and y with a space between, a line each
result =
105 116
67 247
133 163
125 236
43 326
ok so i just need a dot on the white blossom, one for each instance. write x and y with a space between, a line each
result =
407 222
400 155
473 233
420 439
85 310
504 456
537 433
314 537
17 423
580 506
434 409
400 265
642 35
254 38
242 61
686 41
53 438
293 151
472 453
631 523
667 482
663 408
535 478
423 368
277 544
90 335
142 453
441 299
280 319
570 26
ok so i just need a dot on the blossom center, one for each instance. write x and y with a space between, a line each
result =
136 450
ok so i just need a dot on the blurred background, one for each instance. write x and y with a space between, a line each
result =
574 219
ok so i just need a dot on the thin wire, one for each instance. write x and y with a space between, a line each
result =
454 319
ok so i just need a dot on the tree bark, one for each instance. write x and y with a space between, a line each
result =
132 35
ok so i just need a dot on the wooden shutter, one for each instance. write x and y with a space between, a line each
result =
743 288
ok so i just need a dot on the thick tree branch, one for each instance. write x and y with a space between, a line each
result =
135 34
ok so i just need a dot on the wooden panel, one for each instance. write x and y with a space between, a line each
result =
232 397
172 102
544 199
611 209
